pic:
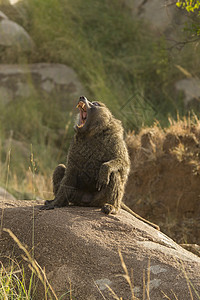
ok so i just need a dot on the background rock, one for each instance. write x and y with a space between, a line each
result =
3 16
191 89
22 81
80 245
4 195
14 40
163 15
13 35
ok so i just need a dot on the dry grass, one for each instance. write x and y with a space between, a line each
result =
163 184
152 141
128 276
33 183
14 284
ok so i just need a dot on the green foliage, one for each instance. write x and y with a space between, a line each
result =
13 283
31 119
189 5
192 7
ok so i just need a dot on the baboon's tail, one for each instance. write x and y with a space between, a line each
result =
125 207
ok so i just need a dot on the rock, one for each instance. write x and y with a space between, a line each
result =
12 34
13 202
79 247
194 248
4 195
191 89
3 16
56 80
163 15
17 147
14 40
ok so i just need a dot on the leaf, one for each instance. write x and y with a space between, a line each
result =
178 4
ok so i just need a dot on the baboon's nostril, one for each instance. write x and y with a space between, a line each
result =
82 98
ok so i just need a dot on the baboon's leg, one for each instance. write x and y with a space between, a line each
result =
64 187
58 175
83 198
110 197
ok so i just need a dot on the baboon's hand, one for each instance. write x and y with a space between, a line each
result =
104 176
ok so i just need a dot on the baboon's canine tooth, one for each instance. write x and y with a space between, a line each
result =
79 126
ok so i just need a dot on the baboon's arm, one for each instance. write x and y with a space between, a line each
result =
106 169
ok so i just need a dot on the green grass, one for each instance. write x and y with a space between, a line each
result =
13 282
30 127
115 56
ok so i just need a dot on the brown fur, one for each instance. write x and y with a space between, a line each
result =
97 165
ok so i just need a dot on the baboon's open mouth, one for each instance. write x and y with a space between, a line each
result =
83 114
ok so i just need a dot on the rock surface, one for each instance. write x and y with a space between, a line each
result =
13 35
4 195
80 245
3 16
46 79
163 15
14 40
11 201
191 89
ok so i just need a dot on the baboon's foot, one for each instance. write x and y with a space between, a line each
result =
109 209
46 207
48 204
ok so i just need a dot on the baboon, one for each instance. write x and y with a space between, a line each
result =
97 164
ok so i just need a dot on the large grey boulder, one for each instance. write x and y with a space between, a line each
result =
163 15
14 40
13 35
22 81
79 248
4 195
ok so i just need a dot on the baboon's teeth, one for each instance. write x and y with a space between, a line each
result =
79 126
81 104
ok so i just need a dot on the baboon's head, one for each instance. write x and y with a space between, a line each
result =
93 117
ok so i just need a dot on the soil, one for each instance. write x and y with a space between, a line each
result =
164 182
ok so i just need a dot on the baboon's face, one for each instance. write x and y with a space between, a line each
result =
92 116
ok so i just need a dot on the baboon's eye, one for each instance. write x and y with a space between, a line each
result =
96 103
